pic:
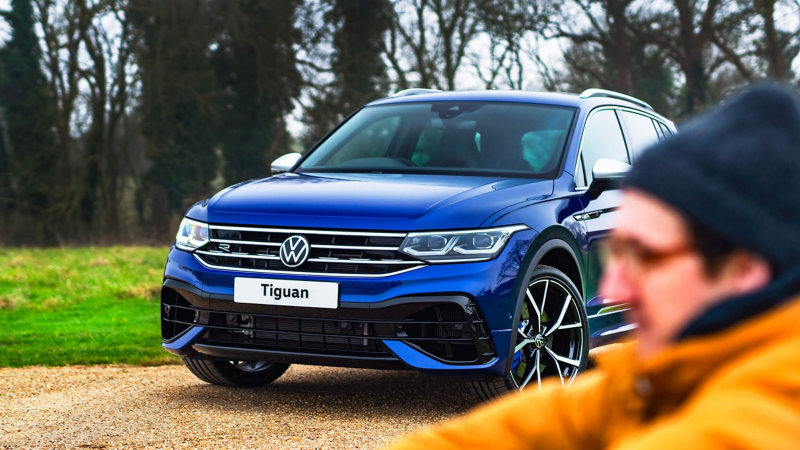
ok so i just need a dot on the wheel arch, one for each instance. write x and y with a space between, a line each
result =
564 260
546 248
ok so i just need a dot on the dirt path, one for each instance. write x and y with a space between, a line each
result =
166 407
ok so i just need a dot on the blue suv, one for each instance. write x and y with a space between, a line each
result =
453 233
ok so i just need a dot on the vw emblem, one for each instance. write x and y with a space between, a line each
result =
294 251
539 341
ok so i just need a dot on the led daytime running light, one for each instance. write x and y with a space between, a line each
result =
191 235
460 246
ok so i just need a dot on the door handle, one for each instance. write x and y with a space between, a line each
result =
587 216
593 214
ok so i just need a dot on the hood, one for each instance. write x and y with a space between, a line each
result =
368 201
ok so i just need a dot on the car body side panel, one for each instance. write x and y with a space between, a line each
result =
554 218
599 228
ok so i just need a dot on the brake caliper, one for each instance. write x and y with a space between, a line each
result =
523 323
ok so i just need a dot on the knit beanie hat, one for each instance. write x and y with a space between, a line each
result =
735 170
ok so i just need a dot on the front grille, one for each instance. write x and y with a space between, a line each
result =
343 253
446 332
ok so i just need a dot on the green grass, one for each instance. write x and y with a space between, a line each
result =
81 306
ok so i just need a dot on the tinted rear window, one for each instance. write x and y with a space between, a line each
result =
640 130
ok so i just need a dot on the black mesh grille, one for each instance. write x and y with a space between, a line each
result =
361 254
173 305
444 331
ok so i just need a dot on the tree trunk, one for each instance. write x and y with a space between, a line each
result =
425 77
91 192
693 44
622 52
696 87
5 174
446 30
776 67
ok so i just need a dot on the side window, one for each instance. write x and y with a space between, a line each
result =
639 130
602 138
371 142
580 178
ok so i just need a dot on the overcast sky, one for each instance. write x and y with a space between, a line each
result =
4 4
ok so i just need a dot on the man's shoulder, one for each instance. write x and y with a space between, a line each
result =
771 369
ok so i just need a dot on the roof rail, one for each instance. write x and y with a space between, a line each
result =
589 93
414 91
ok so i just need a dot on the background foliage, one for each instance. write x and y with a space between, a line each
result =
116 115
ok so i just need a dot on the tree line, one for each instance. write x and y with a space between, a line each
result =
117 115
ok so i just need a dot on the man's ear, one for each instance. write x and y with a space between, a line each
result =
746 272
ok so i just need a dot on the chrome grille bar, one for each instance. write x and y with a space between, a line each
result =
234 241
315 274
323 260
354 247
366 261
239 255
326 246
301 231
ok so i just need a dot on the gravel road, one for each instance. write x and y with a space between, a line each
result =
129 407
167 407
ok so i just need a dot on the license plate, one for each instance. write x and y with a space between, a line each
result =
265 291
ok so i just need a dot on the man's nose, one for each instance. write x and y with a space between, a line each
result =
616 284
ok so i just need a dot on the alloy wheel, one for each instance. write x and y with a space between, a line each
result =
550 335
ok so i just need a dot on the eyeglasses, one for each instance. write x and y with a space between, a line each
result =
639 259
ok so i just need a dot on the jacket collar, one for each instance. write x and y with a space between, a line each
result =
664 381
739 309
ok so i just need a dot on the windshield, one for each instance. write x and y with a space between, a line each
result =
460 138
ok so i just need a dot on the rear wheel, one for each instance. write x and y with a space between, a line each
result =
552 337
241 374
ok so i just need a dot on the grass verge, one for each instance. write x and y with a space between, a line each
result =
81 306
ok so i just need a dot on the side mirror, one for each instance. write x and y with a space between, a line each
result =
607 174
285 162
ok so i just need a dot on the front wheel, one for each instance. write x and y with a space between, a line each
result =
241 374
552 337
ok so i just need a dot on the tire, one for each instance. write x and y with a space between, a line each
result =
559 341
239 374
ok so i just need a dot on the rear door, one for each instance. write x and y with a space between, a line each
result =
602 138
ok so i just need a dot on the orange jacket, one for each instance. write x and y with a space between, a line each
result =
739 388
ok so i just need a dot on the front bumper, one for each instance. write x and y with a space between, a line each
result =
430 332
484 294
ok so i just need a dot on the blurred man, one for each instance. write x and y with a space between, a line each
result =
707 253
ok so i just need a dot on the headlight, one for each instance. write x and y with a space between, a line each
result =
458 246
191 235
